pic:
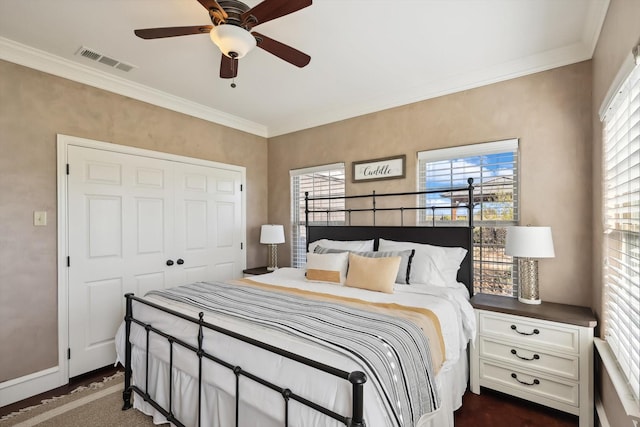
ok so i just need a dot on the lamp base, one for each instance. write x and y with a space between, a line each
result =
530 301
273 257
528 287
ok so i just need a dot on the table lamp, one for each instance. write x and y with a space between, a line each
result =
529 243
272 235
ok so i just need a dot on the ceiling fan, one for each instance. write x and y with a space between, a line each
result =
231 31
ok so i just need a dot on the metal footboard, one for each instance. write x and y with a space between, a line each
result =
356 378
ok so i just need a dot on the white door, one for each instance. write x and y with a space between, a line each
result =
135 224
208 222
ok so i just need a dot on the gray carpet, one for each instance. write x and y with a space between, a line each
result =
97 405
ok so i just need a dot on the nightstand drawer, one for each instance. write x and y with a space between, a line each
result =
521 330
566 366
499 377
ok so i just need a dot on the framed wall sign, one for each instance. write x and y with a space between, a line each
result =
376 169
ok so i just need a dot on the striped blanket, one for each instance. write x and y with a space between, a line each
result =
394 349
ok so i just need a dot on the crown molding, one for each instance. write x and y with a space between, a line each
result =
593 26
39 60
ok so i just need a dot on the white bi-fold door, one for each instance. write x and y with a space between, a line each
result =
138 223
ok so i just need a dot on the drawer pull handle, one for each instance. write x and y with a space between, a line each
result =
535 380
515 353
515 328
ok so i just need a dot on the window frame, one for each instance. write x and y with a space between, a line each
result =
297 216
482 226
621 290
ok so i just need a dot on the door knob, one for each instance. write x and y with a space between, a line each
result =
169 262
180 261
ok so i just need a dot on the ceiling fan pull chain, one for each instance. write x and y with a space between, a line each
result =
233 72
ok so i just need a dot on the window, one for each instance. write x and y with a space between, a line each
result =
319 181
494 168
621 212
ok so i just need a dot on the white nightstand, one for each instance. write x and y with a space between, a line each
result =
542 353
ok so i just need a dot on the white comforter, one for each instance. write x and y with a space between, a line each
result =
265 408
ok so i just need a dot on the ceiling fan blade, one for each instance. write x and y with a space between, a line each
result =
214 8
158 33
228 67
282 51
272 9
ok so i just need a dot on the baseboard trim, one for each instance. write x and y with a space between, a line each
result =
30 385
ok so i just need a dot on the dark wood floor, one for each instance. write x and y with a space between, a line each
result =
493 409
490 409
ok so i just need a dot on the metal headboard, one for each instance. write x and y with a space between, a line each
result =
374 209
451 236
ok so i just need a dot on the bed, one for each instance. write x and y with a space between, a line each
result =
280 349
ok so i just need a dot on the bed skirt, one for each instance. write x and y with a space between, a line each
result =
452 381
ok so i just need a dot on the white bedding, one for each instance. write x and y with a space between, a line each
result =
265 408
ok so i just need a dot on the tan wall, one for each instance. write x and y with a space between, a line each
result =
34 107
549 112
619 34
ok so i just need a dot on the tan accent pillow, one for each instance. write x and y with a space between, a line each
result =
327 267
323 275
374 274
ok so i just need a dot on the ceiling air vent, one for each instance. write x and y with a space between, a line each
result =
110 62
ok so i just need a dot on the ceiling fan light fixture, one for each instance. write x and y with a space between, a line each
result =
233 41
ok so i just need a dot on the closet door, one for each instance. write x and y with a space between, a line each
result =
136 224
208 224
120 236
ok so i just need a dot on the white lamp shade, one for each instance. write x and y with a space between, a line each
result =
529 242
272 234
231 38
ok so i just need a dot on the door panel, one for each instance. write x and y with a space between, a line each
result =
225 236
149 281
102 296
199 193
120 227
128 215
98 172
198 273
104 226
150 225
225 270
195 224
149 177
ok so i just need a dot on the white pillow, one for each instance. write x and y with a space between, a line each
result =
347 245
327 267
432 265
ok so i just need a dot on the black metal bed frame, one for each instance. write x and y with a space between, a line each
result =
356 378
469 205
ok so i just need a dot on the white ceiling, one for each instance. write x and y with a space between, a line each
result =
366 55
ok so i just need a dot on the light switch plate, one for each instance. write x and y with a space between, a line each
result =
40 218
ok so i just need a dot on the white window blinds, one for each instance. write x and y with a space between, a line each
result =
621 204
327 180
494 168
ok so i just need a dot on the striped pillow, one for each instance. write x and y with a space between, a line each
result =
406 257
